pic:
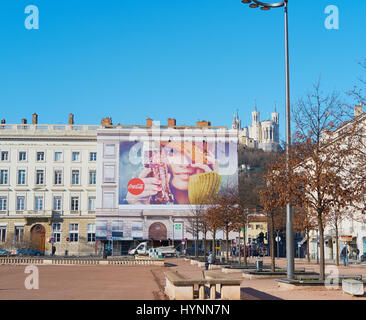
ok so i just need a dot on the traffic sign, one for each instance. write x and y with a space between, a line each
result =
278 239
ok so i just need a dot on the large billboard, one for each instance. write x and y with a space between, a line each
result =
156 174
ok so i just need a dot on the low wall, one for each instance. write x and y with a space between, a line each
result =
79 261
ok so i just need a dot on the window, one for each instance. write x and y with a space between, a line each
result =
57 203
19 234
109 150
40 156
3 176
74 232
76 156
56 231
92 177
38 203
74 203
108 173
91 205
108 200
58 176
39 177
93 156
75 177
58 156
2 234
22 156
20 203
91 232
4 155
21 176
3 203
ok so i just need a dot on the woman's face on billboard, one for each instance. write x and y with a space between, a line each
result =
180 168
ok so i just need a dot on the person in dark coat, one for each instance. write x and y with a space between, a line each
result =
53 250
344 255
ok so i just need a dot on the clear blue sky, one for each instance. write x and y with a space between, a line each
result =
187 59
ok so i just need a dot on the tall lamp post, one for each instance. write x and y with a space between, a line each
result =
289 222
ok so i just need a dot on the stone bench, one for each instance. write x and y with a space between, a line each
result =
353 287
178 287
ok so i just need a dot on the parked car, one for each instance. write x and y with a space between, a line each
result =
29 252
4 252
363 257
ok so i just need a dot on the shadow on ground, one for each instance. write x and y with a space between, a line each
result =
247 293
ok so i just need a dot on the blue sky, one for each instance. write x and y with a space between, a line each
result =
191 60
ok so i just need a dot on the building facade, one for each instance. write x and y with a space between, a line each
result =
48 186
260 134
126 218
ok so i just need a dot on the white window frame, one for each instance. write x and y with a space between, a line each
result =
91 230
107 150
1 155
91 209
25 177
7 176
41 208
20 236
44 156
24 200
72 156
62 156
3 234
79 177
90 156
57 232
74 231
109 166
26 156
43 177
3 203
94 178
54 177
54 197
76 198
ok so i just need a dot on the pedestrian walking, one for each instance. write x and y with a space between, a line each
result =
344 255
357 253
53 250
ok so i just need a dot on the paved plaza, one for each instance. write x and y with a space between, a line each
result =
147 282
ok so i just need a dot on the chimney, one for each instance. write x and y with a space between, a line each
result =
34 118
107 122
172 123
3 121
203 124
71 118
358 110
149 122
24 121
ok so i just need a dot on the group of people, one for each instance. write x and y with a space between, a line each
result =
345 254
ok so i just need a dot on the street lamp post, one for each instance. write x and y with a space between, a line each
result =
289 222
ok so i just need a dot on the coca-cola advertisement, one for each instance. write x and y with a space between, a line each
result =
175 173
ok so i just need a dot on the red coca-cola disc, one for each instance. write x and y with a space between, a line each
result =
135 186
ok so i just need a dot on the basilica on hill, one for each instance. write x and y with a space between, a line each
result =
260 134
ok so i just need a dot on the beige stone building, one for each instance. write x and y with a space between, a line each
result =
47 186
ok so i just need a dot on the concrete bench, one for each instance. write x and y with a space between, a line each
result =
178 287
353 287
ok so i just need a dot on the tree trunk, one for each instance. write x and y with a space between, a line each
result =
321 249
204 245
308 245
227 243
197 238
271 237
238 248
244 245
337 245
214 244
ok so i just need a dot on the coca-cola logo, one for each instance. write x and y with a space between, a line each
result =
135 186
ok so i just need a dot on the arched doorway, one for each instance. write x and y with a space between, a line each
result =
157 231
38 233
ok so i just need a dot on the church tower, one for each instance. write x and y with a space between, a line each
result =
255 116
